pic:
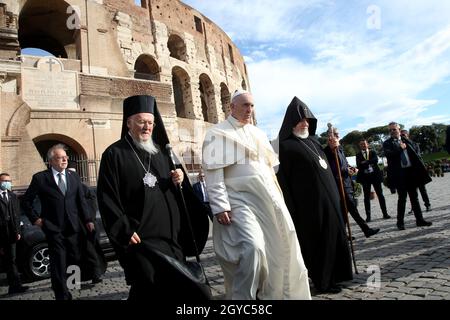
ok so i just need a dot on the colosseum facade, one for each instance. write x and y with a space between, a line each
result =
101 51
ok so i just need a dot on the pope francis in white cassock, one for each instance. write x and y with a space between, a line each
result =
254 237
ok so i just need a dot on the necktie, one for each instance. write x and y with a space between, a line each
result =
403 158
4 196
205 195
365 155
61 184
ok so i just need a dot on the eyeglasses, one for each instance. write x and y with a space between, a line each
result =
142 123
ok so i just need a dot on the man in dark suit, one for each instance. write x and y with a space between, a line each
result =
369 174
342 170
406 172
9 233
63 205
93 263
200 191
423 191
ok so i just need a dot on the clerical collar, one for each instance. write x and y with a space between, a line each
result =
235 122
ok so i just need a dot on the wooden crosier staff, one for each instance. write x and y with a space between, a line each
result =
333 134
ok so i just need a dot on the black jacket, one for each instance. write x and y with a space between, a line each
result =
9 219
54 205
198 191
362 164
343 164
395 173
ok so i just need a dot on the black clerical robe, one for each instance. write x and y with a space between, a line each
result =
312 198
154 213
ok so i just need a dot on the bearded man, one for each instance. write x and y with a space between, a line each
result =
142 210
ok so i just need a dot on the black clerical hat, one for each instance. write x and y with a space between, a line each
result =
145 104
297 111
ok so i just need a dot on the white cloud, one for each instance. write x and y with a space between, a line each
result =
323 52
261 20
372 94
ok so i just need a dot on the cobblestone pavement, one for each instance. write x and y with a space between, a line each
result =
412 264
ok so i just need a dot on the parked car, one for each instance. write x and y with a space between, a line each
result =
33 259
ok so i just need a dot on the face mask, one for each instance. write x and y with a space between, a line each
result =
5 185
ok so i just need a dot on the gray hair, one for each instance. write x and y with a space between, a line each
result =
393 123
51 151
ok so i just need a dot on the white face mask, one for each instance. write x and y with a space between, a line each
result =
5 185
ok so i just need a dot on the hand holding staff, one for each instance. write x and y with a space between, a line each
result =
333 138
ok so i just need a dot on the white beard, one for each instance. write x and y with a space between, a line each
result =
147 146
302 134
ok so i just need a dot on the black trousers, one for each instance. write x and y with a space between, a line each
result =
12 272
424 194
353 210
379 191
64 251
408 187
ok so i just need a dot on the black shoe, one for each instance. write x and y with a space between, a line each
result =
353 238
332 289
410 211
428 208
423 223
97 279
18 289
400 226
386 216
371 232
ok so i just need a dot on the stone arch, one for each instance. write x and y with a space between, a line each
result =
177 47
46 25
75 151
181 83
147 68
225 98
244 84
208 100
18 121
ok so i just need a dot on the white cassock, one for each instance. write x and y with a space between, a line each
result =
259 252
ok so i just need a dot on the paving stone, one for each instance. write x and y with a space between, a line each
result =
414 264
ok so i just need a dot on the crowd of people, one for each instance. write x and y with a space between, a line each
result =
279 212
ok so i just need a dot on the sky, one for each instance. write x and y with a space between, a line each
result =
357 64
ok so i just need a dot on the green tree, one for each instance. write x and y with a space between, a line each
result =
353 138
426 137
350 150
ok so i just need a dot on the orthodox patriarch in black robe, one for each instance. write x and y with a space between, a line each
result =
155 213
312 198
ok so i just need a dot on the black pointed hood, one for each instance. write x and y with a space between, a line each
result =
145 104
297 111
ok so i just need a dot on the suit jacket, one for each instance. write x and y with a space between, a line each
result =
343 164
198 191
362 164
9 219
395 172
57 208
